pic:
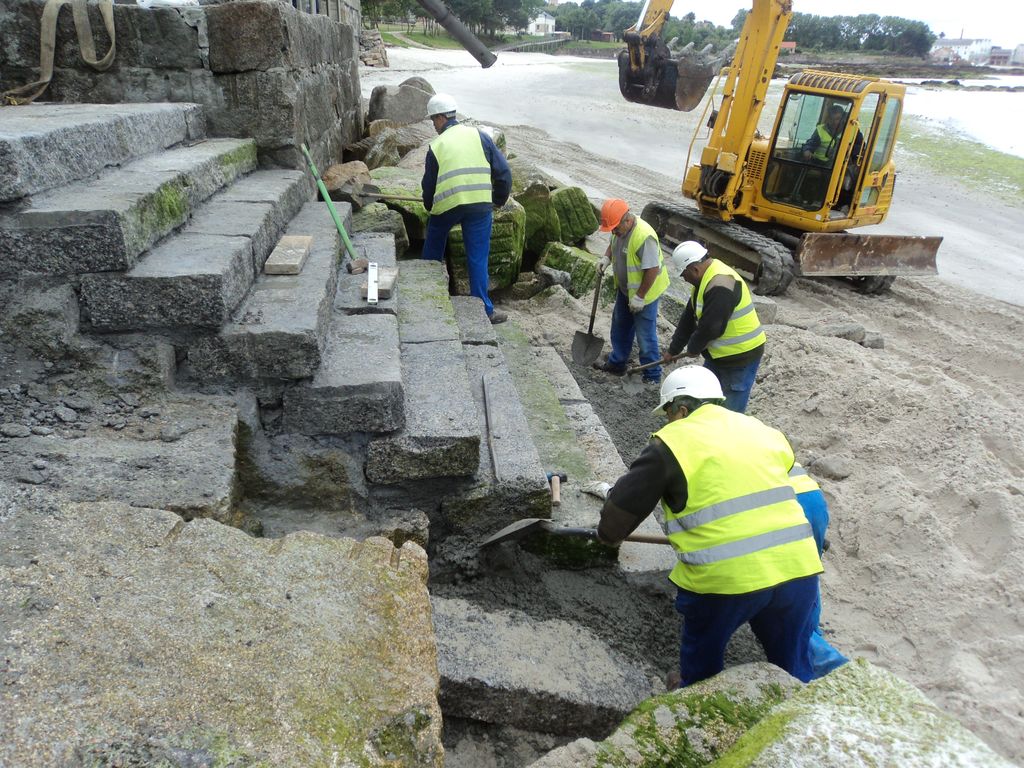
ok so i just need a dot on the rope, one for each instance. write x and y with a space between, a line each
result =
47 43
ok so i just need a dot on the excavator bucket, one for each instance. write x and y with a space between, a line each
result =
846 255
693 79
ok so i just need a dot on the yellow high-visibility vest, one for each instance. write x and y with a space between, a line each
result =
463 173
801 481
743 332
826 144
742 528
634 271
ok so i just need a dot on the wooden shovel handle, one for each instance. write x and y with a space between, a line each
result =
593 309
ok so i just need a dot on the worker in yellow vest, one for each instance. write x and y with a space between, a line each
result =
719 322
638 268
744 549
465 178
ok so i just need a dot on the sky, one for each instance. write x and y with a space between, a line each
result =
1001 21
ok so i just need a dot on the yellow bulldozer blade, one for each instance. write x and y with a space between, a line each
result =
846 255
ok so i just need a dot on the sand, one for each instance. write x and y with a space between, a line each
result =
919 446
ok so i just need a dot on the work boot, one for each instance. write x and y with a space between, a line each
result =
614 370
497 316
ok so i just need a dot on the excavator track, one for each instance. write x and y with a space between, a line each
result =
768 262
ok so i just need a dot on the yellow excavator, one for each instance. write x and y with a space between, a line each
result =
778 206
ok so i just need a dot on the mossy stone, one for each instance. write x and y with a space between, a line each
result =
377 217
404 183
542 222
581 266
575 214
508 234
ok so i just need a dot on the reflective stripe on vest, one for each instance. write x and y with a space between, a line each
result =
743 332
634 271
742 529
826 144
463 173
801 481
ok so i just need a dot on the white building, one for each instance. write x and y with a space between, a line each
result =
974 51
542 24
1018 55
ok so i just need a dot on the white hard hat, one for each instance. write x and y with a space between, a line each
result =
687 253
692 381
441 104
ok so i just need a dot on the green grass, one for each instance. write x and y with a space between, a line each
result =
595 44
390 39
974 164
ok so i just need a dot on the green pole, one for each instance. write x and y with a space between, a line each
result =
330 204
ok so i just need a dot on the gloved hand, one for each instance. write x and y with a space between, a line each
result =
598 488
602 265
636 304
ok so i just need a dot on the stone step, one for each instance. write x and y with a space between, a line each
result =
46 146
571 438
441 437
358 387
279 330
103 225
550 676
196 278
510 483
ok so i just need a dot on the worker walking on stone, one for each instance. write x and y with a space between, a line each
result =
465 177
824 657
719 322
638 268
745 551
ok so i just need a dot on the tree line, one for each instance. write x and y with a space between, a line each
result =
865 32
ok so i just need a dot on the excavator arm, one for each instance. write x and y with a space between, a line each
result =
646 71
714 183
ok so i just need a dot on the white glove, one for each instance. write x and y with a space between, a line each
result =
598 488
636 304
602 265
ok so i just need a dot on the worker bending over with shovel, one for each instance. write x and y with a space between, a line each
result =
719 322
745 551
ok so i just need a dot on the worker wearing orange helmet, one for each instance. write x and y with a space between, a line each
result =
638 269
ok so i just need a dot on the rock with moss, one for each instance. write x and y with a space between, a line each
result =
506 257
377 217
859 716
525 174
404 182
575 214
146 640
581 266
542 223
693 726
384 150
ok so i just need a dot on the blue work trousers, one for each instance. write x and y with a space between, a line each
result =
780 617
643 326
736 381
824 657
476 234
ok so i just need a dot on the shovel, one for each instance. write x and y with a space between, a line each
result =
530 525
586 346
359 194
632 386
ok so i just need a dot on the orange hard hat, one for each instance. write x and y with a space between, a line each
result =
612 212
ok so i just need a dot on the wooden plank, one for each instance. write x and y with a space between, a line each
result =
289 255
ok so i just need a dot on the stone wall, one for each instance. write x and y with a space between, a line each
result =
260 69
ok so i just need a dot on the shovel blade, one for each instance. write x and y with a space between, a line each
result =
517 530
586 348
